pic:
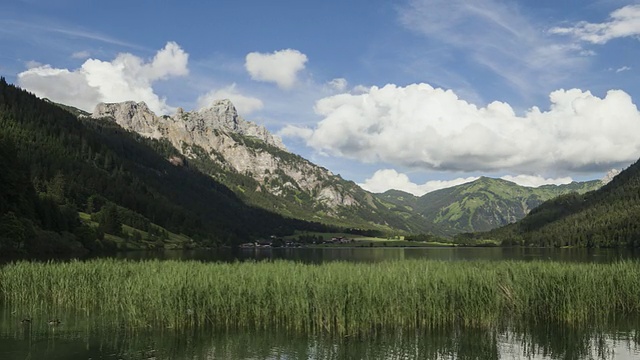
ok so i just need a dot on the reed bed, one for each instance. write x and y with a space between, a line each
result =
336 298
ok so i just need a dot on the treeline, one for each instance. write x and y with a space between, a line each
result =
608 217
53 165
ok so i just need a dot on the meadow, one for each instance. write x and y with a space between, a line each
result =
337 298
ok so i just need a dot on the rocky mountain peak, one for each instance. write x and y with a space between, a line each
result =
609 176
130 115
221 114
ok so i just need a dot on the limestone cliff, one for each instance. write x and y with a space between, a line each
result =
241 146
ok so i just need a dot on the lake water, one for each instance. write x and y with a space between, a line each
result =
77 338
359 254
74 340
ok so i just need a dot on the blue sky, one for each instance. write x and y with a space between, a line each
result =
410 94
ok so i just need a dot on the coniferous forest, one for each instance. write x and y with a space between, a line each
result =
55 166
607 217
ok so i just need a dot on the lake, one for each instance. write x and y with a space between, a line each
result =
77 338
374 254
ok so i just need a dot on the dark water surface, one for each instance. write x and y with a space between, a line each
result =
363 254
79 338
74 340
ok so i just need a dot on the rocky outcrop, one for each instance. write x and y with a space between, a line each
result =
132 116
221 115
609 176
237 145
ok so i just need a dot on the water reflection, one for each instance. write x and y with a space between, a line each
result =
320 255
77 338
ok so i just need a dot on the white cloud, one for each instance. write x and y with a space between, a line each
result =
383 180
338 84
360 89
280 67
127 77
536 180
419 126
32 64
624 68
623 22
293 131
244 104
81 54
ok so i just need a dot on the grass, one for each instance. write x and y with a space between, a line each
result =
336 298
368 241
174 241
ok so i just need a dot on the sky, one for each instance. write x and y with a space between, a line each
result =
414 95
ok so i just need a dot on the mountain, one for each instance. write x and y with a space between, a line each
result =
256 165
607 217
479 205
54 164
207 174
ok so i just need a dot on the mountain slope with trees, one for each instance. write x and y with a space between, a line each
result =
479 205
608 217
255 164
55 164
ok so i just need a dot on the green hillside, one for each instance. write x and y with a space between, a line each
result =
479 205
53 164
368 213
608 217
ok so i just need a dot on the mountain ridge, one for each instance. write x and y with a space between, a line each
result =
479 205
607 217
232 149
257 166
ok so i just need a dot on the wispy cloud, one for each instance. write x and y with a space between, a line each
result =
623 22
86 34
622 69
36 29
81 54
498 37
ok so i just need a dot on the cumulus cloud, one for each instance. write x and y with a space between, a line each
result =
127 77
383 180
623 22
536 180
244 104
280 67
338 84
419 126
624 68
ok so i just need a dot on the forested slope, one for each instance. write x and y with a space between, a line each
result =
608 217
54 165
480 205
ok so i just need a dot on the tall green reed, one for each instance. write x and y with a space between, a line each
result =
338 298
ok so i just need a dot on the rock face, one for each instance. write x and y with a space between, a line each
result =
237 145
609 176
221 115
